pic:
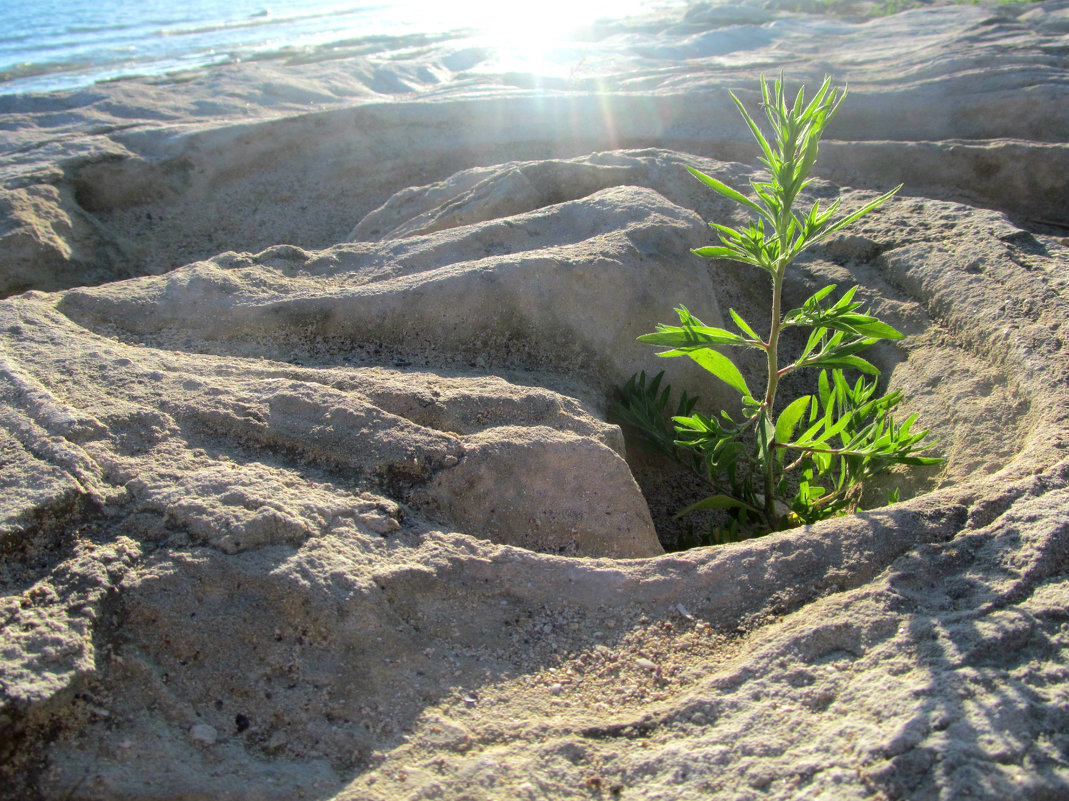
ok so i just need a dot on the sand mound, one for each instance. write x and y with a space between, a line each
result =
303 509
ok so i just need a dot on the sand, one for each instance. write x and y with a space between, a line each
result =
307 488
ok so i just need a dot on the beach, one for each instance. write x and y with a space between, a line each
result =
62 45
310 486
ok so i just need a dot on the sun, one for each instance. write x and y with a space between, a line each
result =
539 23
531 36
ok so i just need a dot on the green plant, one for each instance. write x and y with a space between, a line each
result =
806 461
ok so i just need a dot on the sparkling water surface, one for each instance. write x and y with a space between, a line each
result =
49 45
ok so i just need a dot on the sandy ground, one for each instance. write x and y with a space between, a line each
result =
307 489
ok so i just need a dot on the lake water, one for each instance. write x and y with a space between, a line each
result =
49 45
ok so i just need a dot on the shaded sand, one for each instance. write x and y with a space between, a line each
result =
320 501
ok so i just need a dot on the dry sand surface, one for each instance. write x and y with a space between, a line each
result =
306 485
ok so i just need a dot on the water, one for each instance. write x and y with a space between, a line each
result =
49 45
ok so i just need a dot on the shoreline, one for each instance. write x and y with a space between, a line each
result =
747 12
308 34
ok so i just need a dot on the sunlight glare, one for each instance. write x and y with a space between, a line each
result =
543 22
527 34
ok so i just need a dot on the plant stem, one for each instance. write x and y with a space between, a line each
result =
772 352
772 346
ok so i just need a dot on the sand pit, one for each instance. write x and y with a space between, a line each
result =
307 489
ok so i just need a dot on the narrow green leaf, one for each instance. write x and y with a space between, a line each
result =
919 460
818 101
694 422
823 393
766 434
848 296
726 232
760 137
743 325
722 367
876 328
842 387
859 437
690 337
815 423
847 361
818 296
727 191
789 417
717 252
845 221
835 428
807 439
815 338
716 502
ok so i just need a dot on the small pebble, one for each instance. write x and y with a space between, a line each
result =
204 734
646 664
